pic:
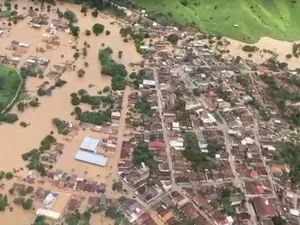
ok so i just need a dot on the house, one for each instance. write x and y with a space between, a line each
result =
235 199
263 208
156 145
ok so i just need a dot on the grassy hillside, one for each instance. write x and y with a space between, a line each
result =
278 19
9 83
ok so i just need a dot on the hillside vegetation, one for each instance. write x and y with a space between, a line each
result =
9 83
244 20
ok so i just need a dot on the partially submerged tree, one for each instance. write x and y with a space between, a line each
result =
98 29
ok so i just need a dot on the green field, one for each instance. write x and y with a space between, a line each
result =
9 84
278 19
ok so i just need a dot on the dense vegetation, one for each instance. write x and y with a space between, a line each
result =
93 100
33 156
242 80
143 107
278 94
224 201
95 117
9 84
291 155
3 202
9 117
137 78
78 218
111 68
199 161
71 16
137 35
61 125
141 154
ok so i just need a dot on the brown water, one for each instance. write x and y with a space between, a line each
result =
16 140
281 48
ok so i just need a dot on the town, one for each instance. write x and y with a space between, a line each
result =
182 133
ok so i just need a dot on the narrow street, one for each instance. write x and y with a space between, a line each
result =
164 129
175 187
237 180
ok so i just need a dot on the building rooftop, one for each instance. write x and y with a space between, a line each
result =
92 158
90 144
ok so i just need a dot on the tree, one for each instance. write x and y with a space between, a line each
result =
173 39
80 73
238 59
9 117
288 56
76 55
75 31
107 32
29 189
117 186
34 103
75 100
184 2
71 16
3 202
112 212
197 92
88 32
122 199
141 154
277 220
106 89
143 107
282 65
9 175
84 51
98 29
40 220
249 48
120 54
95 13
77 110
22 192
21 106
60 82
11 191
84 9
18 201
27 204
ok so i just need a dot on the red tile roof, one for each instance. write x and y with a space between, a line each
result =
263 208
157 145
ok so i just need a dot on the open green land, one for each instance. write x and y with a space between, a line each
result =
9 85
278 19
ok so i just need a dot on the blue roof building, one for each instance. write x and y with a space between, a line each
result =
91 158
90 144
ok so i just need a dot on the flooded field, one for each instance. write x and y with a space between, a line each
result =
17 140
281 48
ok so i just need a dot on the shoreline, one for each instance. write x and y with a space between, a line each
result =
280 48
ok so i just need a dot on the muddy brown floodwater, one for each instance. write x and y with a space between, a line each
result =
281 48
16 140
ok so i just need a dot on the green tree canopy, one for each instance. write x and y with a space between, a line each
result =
98 28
